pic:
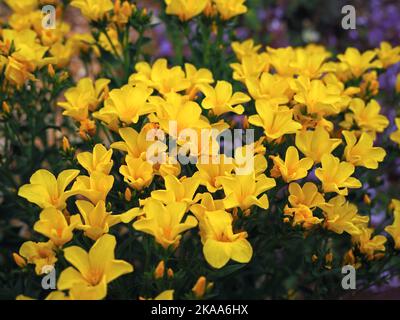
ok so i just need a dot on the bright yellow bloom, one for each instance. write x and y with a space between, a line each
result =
311 64
337 87
54 225
97 221
315 143
336 176
341 216
164 223
178 109
95 188
292 168
160 77
46 191
316 96
362 152
221 244
271 87
230 8
137 173
251 67
208 173
165 295
394 228
110 42
197 77
304 201
243 190
388 55
281 60
99 160
199 209
93 9
276 121
359 63
85 97
120 104
221 99
92 270
39 253
185 9
177 190
307 195
136 144
245 48
369 245
395 136
22 6
368 117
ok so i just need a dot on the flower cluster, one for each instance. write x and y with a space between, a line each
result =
128 204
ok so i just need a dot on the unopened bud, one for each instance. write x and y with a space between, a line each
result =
160 269
199 288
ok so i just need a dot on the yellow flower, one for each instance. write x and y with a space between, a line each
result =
276 121
251 67
307 195
17 72
137 173
97 221
221 244
336 176
303 215
394 228
54 225
315 143
93 9
179 110
39 253
362 152
120 104
208 173
388 55
316 96
177 190
281 60
160 77
395 136
46 191
165 295
92 270
136 144
292 168
99 160
230 8
95 188
367 116
271 87
197 77
221 99
242 190
359 63
245 48
110 42
369 245
185 9
341 216
85 97
164 223
304 201
22 6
